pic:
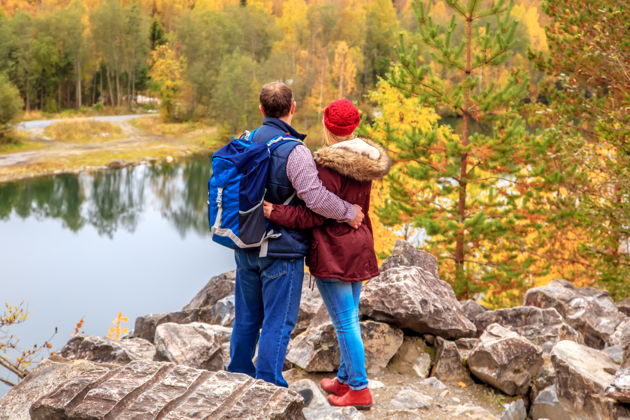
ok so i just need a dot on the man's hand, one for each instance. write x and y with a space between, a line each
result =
358 219
267 209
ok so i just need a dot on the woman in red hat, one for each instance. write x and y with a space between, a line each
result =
341 257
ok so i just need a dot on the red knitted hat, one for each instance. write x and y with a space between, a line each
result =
341 117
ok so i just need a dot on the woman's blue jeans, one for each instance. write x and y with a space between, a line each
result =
342 302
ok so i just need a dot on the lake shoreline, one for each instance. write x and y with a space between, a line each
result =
114 164
43 156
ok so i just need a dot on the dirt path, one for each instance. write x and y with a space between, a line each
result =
59 157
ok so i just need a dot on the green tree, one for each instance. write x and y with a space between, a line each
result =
69 29
136 52
207 37
10 107
380 45
462 186
586 127
22 65
235 100
108 28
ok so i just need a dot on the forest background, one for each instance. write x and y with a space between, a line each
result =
508 122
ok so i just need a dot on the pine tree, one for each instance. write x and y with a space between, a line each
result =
463 185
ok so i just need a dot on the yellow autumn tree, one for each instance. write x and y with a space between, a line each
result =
167 76
344 69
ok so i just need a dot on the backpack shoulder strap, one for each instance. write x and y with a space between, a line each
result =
249 135
278 141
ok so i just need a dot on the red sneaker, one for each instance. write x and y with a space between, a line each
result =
361 399
333 386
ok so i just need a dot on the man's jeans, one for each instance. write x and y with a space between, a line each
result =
267 300
342 302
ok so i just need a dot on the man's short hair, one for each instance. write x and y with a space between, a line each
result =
276 99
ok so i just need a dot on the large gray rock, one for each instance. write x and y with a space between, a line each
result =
449 364
216 289
621 336
505 360
545 379
214 304
616 353
150 390
406 255
590 311
319 399
321 317
410 399
103 349
413 298
333 413
145 325
466 346
543 327
582 376
220 313
469 412
516 410
317 349
471 309
547 405
624 306
310 303
412 358
198 345
620 388
14 405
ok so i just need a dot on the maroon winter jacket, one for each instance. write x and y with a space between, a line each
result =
337 250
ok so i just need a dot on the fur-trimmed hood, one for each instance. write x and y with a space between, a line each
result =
360 159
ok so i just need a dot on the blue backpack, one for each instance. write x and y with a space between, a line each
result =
236 191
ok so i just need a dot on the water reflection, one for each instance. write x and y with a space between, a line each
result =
133 240
113 200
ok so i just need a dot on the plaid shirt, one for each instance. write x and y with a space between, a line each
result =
302 173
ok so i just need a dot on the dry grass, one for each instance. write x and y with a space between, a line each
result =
98 158
20 143
78 113
83 131
155 126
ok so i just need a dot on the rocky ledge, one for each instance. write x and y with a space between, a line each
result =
563 355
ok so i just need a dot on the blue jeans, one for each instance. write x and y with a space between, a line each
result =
266 304
342 302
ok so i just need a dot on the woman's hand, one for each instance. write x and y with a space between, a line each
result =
267 209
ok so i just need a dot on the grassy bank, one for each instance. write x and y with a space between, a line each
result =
83 131
77 146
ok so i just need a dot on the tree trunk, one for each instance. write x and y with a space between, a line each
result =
94 88
28 93
117 88
79 93
460 250
109 87
342 70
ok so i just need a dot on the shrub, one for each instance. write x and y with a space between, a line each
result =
10 108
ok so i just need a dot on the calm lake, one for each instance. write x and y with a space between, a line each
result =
133 240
